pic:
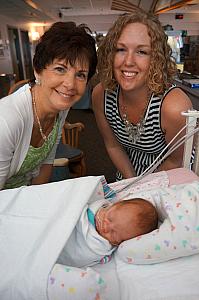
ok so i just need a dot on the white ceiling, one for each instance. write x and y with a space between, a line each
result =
97 14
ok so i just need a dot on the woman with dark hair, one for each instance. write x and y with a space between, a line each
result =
31 119
137 107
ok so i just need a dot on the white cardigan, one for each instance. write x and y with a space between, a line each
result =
16 123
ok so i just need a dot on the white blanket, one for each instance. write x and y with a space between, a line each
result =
35 223
85 247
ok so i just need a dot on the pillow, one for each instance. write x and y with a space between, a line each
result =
177 235
126 187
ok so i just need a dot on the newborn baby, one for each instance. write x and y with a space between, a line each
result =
102 226
125 219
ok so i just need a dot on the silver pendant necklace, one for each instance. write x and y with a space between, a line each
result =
134 132
44 137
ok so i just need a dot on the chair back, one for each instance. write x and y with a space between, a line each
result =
17 85
70 133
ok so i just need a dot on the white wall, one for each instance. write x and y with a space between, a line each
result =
5 61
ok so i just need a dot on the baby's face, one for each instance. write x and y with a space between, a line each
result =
115 225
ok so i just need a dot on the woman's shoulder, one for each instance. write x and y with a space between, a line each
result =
176 101
20 97
98 96
16 107
98 90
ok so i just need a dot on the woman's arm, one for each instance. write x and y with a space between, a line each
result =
115 150
8 141
172 121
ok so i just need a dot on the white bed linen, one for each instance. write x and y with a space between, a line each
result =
176 279
26 278
35 223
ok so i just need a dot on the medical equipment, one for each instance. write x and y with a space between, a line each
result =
191 129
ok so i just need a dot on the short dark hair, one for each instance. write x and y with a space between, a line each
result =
66 40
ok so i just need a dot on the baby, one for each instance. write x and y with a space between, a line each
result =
102 226
125 219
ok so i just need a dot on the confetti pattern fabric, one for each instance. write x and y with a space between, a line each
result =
69 283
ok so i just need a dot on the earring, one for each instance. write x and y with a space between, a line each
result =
37 81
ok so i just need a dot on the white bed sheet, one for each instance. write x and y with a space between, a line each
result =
176 279
173 280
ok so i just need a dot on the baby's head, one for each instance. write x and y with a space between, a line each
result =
126 219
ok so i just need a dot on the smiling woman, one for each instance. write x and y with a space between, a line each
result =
63 84
32 118
137 106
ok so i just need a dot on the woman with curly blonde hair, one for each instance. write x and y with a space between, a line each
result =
137 106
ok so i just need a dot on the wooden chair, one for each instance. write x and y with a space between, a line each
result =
70 142
70 133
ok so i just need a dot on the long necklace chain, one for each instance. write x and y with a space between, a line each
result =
134 132
44 137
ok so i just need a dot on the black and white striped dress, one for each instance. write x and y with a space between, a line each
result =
143 152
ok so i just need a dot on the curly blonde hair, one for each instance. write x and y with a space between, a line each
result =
162 67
